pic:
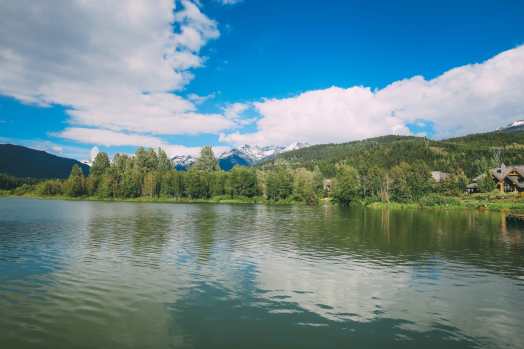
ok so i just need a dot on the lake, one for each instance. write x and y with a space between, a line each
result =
136 275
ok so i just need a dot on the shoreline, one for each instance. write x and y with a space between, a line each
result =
461 204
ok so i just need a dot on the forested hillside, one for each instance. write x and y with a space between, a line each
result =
472 154
22 162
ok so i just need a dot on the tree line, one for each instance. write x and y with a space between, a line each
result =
151 174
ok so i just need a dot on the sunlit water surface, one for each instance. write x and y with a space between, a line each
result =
126 275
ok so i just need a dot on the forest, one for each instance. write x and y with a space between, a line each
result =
384 169
471 155
150 174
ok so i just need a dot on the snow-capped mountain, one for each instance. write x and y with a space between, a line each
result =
246 155
249 155
183 162
515 126
295 146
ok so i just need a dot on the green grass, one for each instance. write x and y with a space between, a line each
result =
215 200
490 201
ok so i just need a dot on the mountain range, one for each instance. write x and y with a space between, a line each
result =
469 152
246 155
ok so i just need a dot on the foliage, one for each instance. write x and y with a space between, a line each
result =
9 182
472 155
486 183
50 188
386 169
279 184
434 199
307 185
410 182
243 182
206 161
347 184
75 184
100 164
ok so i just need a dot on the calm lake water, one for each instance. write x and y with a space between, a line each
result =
126 275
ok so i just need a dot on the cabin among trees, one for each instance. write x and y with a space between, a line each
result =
506 179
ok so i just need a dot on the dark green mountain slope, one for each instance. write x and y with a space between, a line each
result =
20 161
472 154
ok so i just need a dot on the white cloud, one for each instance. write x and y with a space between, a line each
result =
234 110
93 153
110 138
471 98
113 65
197 99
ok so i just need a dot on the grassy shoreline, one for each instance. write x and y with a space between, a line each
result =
212 200
480 202
461 203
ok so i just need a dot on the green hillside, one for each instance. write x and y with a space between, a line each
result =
24 162
472 154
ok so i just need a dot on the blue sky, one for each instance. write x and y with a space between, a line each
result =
183 74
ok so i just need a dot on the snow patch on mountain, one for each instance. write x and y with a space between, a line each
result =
182 162
250 154
517 123
255 153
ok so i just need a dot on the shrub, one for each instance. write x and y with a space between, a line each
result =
439 200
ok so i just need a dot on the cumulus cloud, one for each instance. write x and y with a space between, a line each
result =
470 98
113 65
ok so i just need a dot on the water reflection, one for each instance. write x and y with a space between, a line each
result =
152 275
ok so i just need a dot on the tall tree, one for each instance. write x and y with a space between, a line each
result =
164 163
100 164
207 161
347 185
75 185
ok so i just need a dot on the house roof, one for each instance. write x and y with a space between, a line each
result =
503 171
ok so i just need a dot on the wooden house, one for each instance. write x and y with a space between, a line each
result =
507 178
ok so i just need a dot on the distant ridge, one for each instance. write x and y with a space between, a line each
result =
19 161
